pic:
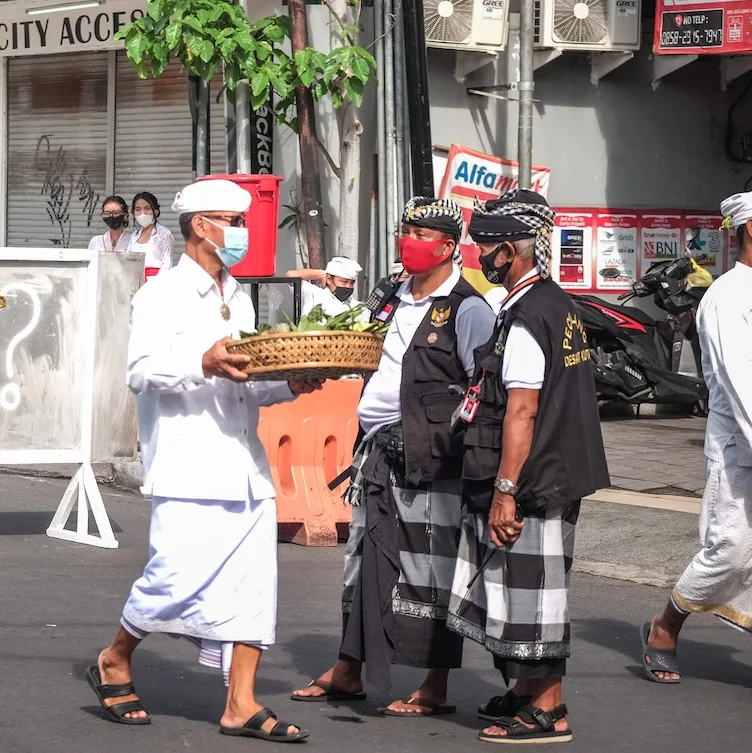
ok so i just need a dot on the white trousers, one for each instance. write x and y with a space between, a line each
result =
211 576
719 578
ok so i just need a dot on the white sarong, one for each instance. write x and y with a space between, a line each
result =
719 578
211 576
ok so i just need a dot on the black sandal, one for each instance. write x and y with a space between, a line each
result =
332 693
252 728
115 713
542 731
503 705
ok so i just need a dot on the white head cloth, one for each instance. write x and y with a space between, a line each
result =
341 266
737 209
212 196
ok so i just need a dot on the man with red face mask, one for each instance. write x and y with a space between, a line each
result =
405 488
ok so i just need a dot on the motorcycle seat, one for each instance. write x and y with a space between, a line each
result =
631 311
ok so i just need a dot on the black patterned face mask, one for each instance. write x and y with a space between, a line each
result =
495 275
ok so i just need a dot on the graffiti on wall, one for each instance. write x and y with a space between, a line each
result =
66 190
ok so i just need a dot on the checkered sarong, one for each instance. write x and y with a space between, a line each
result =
513 601
429 518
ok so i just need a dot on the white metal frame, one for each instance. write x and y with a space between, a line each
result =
111 103
83 488
3 150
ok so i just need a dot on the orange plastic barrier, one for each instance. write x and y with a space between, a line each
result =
309 443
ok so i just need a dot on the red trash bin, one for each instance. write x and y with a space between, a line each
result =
261 221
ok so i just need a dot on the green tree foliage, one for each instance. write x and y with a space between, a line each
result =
211 36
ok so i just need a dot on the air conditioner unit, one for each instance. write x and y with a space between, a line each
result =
466 24
598 25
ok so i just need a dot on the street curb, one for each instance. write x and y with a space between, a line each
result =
629 573
128 475
668 502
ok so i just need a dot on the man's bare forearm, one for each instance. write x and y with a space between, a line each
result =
311 275
517 433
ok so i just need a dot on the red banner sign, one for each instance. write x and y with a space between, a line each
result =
604 251
703 27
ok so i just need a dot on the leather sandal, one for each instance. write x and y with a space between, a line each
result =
278 734
117 712
542 731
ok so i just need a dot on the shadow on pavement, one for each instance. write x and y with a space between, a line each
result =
175 688
702 661
313 654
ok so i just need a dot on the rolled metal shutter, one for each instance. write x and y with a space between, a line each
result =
57 149
154 137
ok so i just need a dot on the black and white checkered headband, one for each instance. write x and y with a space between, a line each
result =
505 219
443 215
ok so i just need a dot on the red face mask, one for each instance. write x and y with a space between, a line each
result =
418 256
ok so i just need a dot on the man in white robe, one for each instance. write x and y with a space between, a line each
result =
719 578
212 570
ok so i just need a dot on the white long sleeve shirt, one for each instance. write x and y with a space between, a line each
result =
724 321
199 436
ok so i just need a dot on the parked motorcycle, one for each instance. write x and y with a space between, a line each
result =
638 359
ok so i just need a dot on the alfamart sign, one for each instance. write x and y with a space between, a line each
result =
41 27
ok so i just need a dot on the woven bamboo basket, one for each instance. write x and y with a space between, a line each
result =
309 355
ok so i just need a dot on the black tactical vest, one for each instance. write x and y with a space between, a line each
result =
567 460
431 364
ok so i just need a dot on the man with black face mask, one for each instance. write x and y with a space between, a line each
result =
533 449
331 288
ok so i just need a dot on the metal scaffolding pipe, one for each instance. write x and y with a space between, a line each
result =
381 248
399 96
418 106
391 147
526 87
203 165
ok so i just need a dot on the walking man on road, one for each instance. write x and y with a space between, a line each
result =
719 578
405 489
533 449
212 572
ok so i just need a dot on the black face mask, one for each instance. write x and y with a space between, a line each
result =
114 222
495 275
343 294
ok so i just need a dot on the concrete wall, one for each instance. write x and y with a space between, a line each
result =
617 144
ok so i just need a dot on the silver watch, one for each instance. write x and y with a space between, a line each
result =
505 486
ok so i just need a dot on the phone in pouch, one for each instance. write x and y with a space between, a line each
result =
468 408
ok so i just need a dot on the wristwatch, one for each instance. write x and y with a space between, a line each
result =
505 486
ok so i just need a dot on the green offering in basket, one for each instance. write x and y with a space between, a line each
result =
317 321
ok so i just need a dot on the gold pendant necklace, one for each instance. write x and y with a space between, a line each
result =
224 309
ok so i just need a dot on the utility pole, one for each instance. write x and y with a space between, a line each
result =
526 88
310 178
419 113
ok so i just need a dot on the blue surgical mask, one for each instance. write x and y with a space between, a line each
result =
235 244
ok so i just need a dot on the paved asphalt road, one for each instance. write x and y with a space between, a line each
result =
59 604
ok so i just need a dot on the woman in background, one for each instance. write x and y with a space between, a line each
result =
115 216
151 238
